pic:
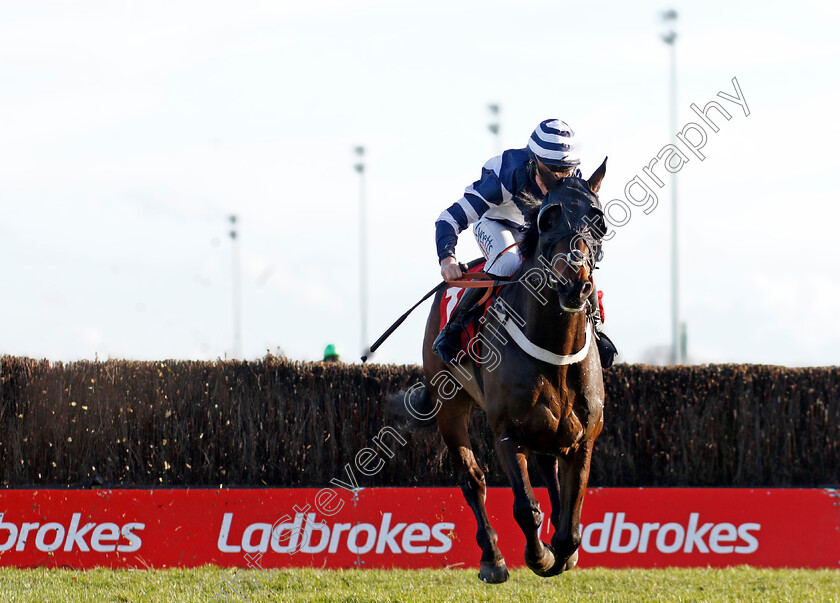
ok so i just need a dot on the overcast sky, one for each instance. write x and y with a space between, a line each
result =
132 131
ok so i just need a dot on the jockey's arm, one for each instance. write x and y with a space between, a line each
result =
478 198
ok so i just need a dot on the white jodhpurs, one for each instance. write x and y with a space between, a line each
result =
493 237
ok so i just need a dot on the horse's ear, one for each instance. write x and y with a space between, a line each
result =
596 177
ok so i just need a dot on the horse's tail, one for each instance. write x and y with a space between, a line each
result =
414 404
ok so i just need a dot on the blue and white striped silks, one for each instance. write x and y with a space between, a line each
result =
502 179
494 195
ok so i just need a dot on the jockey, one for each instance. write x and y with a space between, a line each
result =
490 204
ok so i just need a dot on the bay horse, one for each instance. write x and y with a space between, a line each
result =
539 380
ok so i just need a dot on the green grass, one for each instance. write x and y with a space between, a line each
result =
461 586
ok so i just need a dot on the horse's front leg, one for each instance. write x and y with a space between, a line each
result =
573 478
548 469
526 510
562 486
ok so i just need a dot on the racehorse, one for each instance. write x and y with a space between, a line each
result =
539 380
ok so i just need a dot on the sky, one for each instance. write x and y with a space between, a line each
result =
132 131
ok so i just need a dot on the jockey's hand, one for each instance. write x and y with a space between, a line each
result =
449 269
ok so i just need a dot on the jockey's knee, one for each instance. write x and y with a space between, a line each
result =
505 265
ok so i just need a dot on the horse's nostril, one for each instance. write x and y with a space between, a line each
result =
586 291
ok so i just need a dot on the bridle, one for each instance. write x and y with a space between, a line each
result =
574 258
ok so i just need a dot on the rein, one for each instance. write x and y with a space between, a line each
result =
477 280
485 280
482 280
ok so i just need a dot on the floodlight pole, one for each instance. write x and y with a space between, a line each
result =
363 285
237 292
494 127
677 357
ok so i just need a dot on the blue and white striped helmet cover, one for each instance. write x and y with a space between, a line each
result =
553 143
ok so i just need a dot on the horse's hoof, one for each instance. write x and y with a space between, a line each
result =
559 566
571 562
545 565
493 574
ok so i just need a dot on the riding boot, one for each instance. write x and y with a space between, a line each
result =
606 348
448 342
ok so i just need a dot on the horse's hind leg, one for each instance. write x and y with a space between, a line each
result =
526 510
453 422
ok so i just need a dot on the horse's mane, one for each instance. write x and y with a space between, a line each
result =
529 205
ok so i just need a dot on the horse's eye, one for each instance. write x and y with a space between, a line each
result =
547 223
549 220
596 223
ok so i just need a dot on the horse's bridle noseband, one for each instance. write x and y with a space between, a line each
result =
573 259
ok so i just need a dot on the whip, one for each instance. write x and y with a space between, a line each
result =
402 318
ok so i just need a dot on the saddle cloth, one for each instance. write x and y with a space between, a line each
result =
450 299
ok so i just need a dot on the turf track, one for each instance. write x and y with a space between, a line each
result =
461 586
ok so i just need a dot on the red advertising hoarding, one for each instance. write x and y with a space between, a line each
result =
408 528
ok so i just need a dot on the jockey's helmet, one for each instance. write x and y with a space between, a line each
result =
553 143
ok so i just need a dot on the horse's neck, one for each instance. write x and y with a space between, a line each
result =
546 324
